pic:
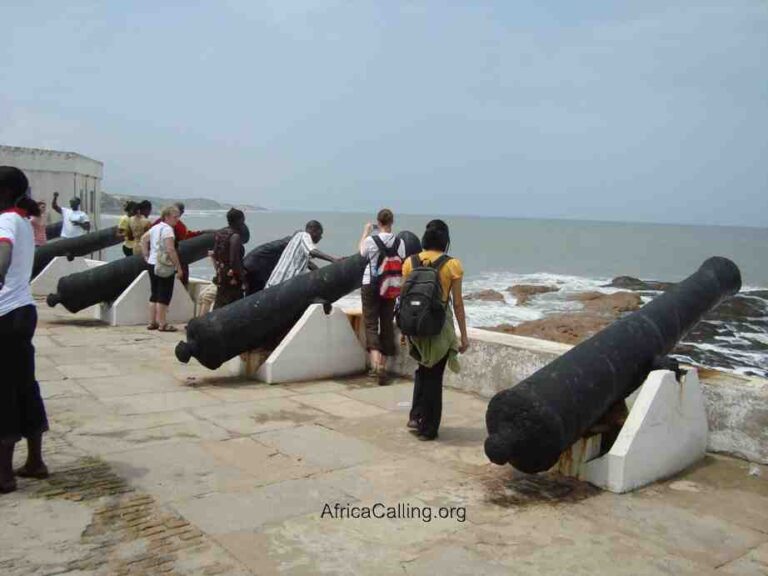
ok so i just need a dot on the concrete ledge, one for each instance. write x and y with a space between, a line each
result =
737 412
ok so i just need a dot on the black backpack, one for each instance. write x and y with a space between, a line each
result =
422 310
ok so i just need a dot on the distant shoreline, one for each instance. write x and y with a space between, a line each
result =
113 203
118 213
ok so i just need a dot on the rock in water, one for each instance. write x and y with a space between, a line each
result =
609 304
600 310
486 296
632 283
524 292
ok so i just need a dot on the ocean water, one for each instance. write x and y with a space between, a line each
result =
576 256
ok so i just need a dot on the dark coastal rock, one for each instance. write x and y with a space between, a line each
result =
741 306
570 328
524 292
609 304
486 296
632 283
732 334
599 311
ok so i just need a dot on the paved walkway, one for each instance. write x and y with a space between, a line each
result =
164 468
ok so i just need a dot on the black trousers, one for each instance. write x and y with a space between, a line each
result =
379 317
22 412
427 405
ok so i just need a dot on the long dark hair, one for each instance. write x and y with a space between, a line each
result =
13 191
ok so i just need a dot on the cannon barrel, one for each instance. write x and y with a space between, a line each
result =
261 261
263 318
532 423
106 282
72 247
53 230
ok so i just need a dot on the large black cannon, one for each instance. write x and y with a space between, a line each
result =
261 261
263 318
532 423
106 282
72 247
53 230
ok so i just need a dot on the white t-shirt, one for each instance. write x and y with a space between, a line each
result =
158 234
371 251
68 217
17 231
294 260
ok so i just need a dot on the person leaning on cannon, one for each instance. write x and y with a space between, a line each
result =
296 258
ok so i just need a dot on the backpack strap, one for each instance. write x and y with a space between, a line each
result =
396 247
438 265
440 262
377 240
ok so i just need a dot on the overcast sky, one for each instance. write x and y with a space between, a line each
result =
645 111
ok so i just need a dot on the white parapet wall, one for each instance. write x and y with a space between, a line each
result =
131 307
46 282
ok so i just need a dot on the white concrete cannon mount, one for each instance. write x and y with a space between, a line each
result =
130 308
665 432
318 346
46 282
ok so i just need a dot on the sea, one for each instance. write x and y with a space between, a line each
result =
575 256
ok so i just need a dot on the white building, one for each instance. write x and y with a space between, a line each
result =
67 173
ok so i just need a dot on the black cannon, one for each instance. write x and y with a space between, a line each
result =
532 423
53 230
261 261
72 247
263 318
106 282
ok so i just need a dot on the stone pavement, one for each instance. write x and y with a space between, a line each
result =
164 468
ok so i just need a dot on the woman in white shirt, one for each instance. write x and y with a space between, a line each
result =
158 246
22 412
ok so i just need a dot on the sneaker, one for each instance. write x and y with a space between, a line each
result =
412 424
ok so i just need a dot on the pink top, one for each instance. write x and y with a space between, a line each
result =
38 226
